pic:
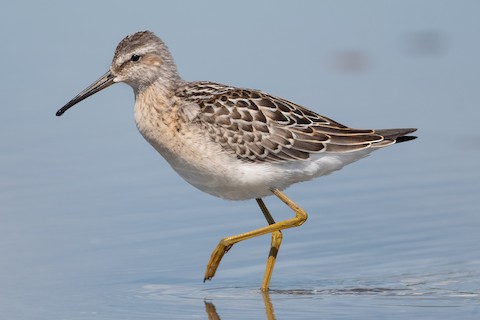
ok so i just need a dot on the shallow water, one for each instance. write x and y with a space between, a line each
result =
412 254
95 225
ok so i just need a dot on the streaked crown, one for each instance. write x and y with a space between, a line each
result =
141 59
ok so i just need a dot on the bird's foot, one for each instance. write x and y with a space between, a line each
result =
215 259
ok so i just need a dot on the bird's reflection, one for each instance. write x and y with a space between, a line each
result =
213 315
211 311
268 306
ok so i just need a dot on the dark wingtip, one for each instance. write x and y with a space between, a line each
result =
399 135
405 138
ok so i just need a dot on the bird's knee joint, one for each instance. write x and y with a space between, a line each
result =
225 244
302 216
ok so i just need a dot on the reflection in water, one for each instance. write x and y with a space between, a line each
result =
268 306
416 293
432 290
213 315
211 311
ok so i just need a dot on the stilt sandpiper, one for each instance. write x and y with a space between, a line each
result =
230 142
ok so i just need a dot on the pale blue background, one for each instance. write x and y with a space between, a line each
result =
95 225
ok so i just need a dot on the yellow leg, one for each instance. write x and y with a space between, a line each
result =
274 246
274 228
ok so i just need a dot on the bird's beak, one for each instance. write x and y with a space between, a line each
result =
105 81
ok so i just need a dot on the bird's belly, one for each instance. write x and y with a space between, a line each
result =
232 179
234 182
213 170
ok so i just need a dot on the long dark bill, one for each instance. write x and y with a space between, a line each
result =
105 81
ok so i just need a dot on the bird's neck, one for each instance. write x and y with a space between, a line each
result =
156 115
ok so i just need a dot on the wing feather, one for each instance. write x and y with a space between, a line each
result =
258 127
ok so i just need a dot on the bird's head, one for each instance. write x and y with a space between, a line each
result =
140 60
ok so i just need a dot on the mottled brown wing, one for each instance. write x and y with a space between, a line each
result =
259 127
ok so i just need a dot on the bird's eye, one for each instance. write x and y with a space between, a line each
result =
135 57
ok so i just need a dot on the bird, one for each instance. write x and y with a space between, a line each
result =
230 142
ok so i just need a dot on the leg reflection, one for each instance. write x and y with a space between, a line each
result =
211 311
213 315
268 306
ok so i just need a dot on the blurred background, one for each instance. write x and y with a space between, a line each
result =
94 224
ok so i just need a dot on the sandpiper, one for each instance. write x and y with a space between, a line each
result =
233 143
